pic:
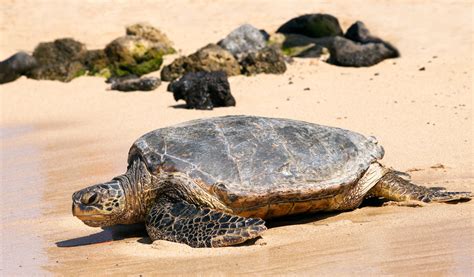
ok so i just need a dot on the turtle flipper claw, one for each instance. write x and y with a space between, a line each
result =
200 227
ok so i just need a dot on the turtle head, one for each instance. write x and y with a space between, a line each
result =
100 205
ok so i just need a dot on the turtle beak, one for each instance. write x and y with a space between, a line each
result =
79 208
76 204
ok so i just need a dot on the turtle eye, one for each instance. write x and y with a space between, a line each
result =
89 198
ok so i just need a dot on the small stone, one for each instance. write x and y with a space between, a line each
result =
306 89
15 66
244 40
203 90
438 166
267 60
134 84
312 25
422 69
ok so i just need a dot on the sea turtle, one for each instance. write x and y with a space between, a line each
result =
211 182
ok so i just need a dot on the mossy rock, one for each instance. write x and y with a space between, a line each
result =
96 62
60 60
312 25
134 55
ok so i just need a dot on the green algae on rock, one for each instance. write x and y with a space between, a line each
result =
294 45
97 63
134 55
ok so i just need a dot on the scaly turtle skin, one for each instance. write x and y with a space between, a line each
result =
211 182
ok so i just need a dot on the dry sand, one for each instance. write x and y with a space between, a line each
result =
57 138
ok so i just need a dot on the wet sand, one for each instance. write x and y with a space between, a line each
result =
57 138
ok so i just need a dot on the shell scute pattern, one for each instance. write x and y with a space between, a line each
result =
255 156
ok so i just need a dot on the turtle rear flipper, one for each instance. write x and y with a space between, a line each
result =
200 227
395 188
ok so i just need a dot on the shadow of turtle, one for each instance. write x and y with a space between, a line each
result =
179 106
113 233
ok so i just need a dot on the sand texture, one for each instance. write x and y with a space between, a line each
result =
57 138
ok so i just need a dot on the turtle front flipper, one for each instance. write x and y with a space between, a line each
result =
199 227
396 188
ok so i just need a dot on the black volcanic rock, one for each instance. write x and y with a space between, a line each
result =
203 90
312 25
15 66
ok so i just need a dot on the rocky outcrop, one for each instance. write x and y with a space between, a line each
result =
209 58
358 48
16 66
139 52
203 90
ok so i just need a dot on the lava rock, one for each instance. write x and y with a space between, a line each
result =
60 60
209 58
244 40
203 90
345 52
134 84
146 31
267 60
358 32
312 25
15 66
134 55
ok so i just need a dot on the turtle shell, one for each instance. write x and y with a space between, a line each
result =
248 156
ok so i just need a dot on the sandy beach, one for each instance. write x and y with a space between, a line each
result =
58 137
